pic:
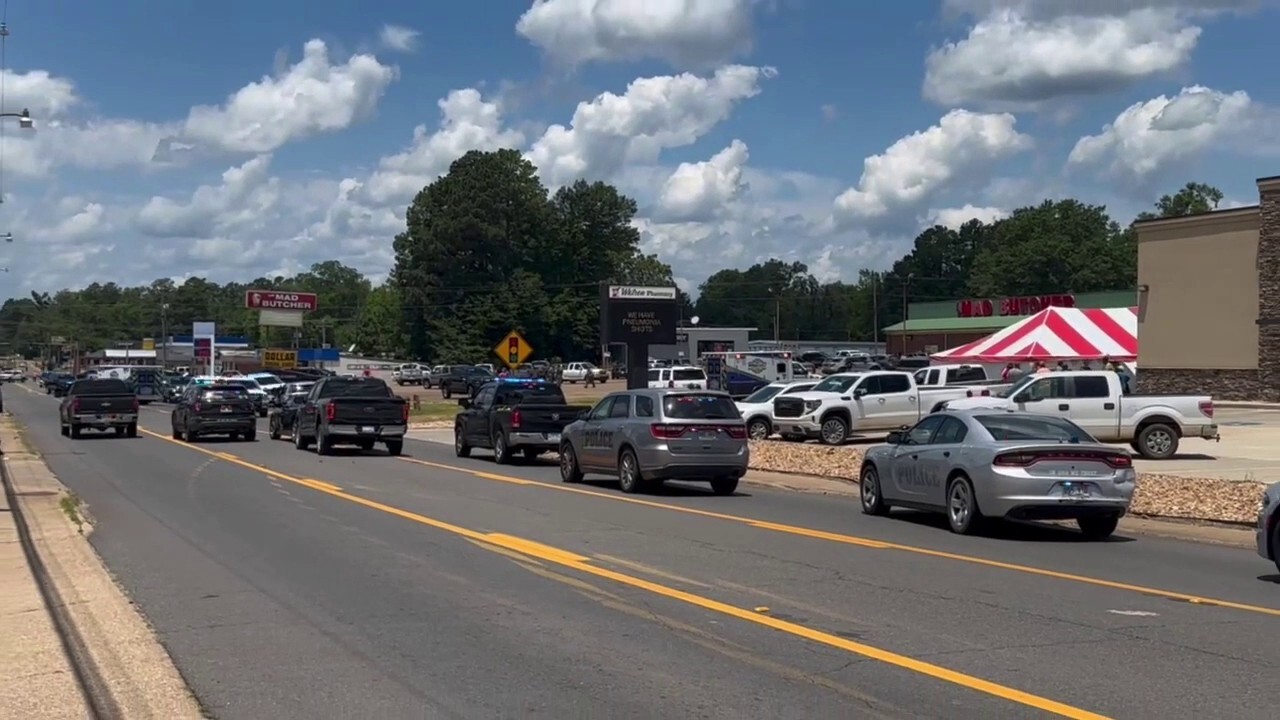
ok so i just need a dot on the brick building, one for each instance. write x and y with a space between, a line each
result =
1209 301
936 326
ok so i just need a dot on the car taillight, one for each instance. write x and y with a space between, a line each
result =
196 407
404 412
1206 407
1023 459
330 412
667 432
516 419
136 405
75 405
737 432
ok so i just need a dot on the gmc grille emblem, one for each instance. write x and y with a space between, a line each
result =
555 416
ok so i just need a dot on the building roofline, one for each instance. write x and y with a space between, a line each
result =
1211 216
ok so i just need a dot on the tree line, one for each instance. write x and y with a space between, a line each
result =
486 249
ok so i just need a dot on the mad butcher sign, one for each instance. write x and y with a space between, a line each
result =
280 300
1012 306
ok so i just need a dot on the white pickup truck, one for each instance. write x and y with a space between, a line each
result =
576 372
857 404
1153 425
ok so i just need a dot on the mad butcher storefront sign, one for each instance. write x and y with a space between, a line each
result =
1012 306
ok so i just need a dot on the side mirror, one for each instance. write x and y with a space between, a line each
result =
859 392
1026 398
894 438
464 403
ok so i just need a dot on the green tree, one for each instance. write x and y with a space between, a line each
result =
1194 198
378 328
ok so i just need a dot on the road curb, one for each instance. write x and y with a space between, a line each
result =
119 664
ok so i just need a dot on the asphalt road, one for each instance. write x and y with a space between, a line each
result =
287 585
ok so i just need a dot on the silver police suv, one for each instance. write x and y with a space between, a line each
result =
648 436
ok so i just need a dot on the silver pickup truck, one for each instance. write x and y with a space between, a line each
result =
1153 425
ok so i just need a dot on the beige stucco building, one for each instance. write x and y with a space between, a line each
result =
1209 301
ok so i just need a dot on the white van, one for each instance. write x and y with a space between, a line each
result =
685 377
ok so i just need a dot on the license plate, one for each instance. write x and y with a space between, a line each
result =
711 435
367 429
1076 491
553 437
225 409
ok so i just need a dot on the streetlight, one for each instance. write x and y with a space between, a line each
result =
24 119
906 315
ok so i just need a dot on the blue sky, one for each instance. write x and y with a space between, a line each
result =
752 128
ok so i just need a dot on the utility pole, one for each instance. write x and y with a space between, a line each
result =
164 335
906 314
777 320
875 308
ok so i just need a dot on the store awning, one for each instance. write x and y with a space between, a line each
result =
1057 334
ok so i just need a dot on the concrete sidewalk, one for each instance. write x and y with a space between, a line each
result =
73 644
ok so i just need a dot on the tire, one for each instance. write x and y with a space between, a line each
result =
75 432
365 445
835 430
65 430
1275 544
460 446
629 478
871 492
724 485
174 432
395 447
250 435
131 430
119 430
570 472
273 429
759 428
1157 442
300 441
1098 527
444 392
324 446
501 450
963 515
189 435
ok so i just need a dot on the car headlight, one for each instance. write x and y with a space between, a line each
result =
811 405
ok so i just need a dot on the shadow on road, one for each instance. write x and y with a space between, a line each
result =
1011 529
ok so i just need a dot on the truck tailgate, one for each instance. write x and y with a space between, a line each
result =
103 405
544 418
367 411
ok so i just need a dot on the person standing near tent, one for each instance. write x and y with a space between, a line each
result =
1042 368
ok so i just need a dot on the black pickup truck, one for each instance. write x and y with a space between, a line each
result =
99 405
512 414
360 411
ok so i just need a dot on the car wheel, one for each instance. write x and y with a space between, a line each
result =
365 445
131 430
444 392
460 446
190 435
759 429
834 430
273 429
75 432
869 488
324 445
1098 527
300 441
629 478
963 514
250 435
65 430
1275 544
1157 442
501 451
570 472
395 447
724 485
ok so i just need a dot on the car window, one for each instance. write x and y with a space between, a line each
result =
1091 386
764 394
484 398
837 384
1006 428
1046 388
802 387
922 433
696 406
644 406
920 376
655 375
601 410
968 374
952 432
689 374
894 384
870 385
621 407
224 392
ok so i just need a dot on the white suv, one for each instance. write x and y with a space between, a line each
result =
685 377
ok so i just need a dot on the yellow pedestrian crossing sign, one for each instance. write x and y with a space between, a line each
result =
513 350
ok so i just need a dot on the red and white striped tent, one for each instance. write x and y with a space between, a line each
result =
1057 333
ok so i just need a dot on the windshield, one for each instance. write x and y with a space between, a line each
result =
1022 382
1005 428
699 407
267 380
690 374
355 387
838 384
655 375
588 366
245 383
764 394
225 392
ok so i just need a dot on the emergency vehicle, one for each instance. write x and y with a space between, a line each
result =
742 373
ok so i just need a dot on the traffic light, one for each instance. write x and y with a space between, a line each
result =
513 350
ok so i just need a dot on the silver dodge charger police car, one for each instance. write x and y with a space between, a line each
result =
1269 525
983 463
648 436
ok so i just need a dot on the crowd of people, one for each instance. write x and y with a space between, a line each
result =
1013 371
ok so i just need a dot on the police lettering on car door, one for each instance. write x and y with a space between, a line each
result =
598 433
917 474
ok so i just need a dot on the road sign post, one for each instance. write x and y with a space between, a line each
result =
513 350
